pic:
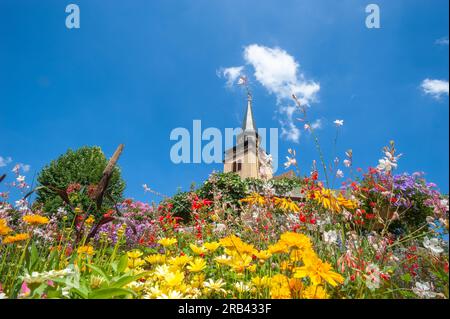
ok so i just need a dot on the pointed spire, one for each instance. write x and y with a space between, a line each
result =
249 121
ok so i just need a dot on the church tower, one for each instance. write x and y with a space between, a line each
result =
247 158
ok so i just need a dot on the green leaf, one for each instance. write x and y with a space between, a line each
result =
114 266
406 277
124 280
123 263
108 293
39 290
53 293
34 255
81 292
99 271
408 294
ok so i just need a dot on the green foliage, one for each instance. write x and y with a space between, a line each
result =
230 185
414 216
84 167
281 186
181 206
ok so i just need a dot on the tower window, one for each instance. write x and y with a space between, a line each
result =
234 167
239 166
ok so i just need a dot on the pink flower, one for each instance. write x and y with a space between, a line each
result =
24 290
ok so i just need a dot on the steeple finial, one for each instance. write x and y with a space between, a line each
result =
249 121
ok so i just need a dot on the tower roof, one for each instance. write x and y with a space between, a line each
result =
249 121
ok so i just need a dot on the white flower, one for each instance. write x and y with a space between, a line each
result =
431 221
339 122
20 179
306 127
433 245
388 162
386 165
444 203
21 205
347 163
372 277
241 287
215 286
330 237
347 215
424 290
146 188
3 296
339 173
290 161
173 294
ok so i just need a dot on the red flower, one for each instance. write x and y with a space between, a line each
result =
207 202
108 213
384 276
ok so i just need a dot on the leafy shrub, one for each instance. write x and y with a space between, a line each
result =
181 206
79 170
230 185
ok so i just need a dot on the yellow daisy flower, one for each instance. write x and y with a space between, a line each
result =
197 265
134 254
35 219
15 238
318 271
212 246
254 199
4 229
286 204
167 242
87 250
197 250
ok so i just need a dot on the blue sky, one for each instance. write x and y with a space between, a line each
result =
135 70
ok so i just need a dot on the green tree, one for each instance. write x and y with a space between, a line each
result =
83 168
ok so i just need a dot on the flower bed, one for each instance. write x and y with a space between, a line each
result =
380 236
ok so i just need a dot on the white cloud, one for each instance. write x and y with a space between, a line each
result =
25 167
316 125
442 41
289 130
279 73
231 74
5 161
435 88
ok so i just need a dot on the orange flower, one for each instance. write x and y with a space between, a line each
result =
35 219
15 238
4 229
